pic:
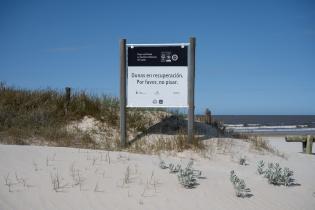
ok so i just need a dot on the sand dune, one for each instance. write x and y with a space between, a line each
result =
91 179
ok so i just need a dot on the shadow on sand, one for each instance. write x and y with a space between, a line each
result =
174 125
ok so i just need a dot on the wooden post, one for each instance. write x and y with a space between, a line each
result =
123 92
208 116
309 144
67 99
304 147
191 89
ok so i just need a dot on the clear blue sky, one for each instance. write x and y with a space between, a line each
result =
253 57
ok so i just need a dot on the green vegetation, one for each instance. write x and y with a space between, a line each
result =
239 186
275 174
187 177
42 116
177 143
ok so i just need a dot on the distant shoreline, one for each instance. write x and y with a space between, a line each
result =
267 120
278 133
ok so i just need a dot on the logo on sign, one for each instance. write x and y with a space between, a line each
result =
174 57
166 57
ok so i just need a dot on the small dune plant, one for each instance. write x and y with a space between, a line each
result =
260 167
275 174
163 165
242 161
174 168
239 185
187 176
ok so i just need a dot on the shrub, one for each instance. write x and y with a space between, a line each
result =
287 177
174 169
275 174
242 161
163 165
239 185
187 176
260 167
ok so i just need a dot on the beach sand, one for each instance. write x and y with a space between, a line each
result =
121 180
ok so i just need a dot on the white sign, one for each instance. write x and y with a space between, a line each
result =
157 76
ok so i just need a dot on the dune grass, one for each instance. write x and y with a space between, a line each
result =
43 115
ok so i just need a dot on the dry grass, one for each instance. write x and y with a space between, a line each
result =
177 143
259 144
40 117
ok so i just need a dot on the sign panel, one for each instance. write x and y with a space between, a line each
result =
157 76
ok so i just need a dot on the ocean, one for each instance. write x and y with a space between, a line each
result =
269 124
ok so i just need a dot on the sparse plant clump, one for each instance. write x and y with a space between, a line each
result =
107 157
76 176
163 165
174 169
57 182
242 161
126 179
8 182
287 177
260 167
187 176
19 181
239 185
150 186
275 174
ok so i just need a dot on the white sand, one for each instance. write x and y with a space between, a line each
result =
149 187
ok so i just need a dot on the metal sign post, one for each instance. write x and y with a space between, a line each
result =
157 75
123 92
191 89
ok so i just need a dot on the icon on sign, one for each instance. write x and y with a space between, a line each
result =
154 101
160 101
174 57
140 92
168 58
